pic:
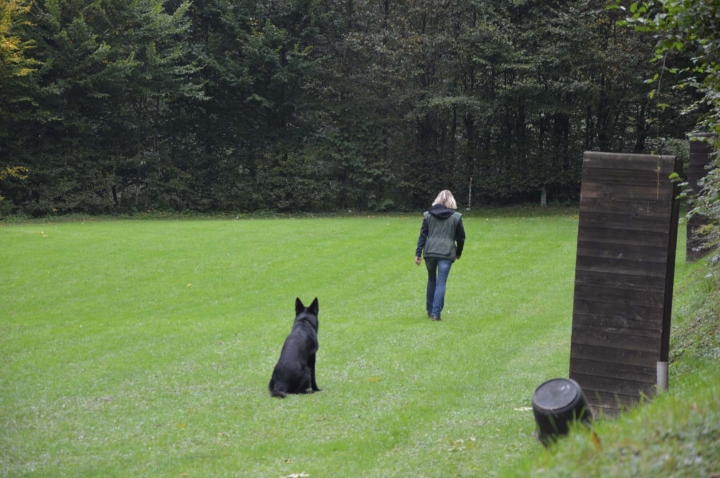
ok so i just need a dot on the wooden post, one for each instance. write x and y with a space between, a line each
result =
624 277
699 159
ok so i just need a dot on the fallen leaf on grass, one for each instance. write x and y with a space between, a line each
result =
460 445
373 379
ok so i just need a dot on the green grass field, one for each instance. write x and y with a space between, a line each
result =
675 435
144 348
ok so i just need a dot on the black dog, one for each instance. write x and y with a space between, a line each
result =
295 370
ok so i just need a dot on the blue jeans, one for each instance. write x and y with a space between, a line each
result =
438 271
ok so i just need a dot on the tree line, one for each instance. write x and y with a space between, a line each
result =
313 105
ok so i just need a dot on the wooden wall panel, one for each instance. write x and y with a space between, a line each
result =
699 159
623 279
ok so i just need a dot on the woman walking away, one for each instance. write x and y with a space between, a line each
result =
441 241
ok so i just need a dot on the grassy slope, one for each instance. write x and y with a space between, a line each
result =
678 433
134 348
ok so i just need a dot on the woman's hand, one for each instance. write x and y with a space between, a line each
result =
417 260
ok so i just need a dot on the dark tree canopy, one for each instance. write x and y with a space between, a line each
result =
300 105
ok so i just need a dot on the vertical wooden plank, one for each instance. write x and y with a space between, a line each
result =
670 275
627 236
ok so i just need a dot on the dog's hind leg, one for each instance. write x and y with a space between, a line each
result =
305 382
311 364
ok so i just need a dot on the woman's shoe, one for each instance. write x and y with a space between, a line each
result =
435 317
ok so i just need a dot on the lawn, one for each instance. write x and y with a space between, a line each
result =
144 348
675 435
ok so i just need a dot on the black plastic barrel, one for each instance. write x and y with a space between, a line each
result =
556 403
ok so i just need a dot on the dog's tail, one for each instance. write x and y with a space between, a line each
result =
273 391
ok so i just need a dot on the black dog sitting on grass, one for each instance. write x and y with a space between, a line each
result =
295 370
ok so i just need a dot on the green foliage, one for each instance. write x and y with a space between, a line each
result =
691 26
15 64
16 174
680 148
109 71
17 68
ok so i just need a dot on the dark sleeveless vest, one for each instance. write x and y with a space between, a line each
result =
440 241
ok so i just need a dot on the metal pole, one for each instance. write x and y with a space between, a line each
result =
470 195
662 375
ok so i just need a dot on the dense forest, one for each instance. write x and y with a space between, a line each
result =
318 105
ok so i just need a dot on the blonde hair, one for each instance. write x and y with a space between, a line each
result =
446 199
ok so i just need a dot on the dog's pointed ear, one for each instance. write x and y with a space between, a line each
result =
314 307
299 307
